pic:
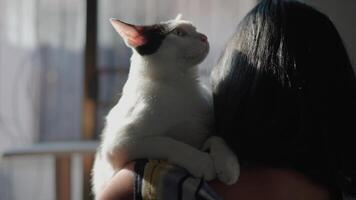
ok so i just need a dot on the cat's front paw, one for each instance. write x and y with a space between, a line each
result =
227 168
225 161
201 166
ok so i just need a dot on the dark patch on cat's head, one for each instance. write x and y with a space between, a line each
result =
154 35
145 39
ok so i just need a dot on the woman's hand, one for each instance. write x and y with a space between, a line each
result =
120 186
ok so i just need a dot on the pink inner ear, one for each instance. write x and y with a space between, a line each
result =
132 34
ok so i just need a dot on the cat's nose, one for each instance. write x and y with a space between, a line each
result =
203 38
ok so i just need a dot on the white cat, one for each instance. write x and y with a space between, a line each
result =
164 111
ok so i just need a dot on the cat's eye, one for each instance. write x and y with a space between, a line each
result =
179 32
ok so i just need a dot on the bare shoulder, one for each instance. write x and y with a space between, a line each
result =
260 183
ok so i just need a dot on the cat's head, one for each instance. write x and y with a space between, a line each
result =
174 41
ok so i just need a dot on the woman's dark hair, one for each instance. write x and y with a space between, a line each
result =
285 92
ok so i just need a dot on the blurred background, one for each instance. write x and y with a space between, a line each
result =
62 67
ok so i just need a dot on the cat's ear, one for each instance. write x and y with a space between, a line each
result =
132 34
179 17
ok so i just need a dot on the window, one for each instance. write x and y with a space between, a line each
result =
45 47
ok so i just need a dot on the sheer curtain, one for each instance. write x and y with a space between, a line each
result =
41 64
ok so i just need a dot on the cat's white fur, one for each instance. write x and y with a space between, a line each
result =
165 113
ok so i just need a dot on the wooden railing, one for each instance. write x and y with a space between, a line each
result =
62 151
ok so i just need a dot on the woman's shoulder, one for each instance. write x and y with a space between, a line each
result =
271 183
158 179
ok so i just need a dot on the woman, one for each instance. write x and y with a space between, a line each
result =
285 102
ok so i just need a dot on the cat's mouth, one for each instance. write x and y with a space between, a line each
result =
199 55
204 51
